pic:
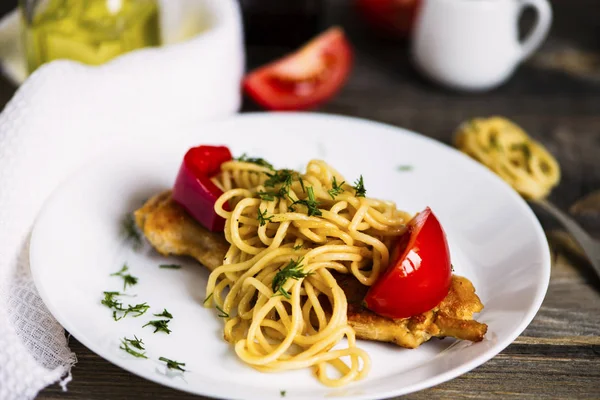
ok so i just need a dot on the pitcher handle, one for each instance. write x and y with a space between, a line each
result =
542 24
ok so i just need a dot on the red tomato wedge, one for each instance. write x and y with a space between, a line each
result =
419 274
304 79
194 190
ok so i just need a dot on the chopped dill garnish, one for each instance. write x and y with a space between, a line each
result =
207 298
161 325
359 187
170 266
404 168
298 247
109 300
283 176
292 270
222 313
283 192
165 314
301 183
268 196
258 161
138 310
311 203
130 231
117 307
335 188
137 343
173 364
127 278
263 218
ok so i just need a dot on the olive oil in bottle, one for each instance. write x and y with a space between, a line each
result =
89 31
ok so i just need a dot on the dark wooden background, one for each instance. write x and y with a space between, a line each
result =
555 96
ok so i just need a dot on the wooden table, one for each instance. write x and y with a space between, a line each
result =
556 98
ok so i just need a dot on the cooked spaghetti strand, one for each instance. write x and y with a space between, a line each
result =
286 232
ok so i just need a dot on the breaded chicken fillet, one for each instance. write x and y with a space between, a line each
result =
172 231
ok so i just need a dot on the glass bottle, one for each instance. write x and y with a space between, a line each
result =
89 31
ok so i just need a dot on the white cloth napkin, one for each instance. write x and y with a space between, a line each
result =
67 113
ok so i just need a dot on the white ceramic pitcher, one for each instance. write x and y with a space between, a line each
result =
474 44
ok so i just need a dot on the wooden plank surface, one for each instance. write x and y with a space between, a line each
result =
558 355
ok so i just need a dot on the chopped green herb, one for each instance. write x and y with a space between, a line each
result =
207 298
173 364
109 300
138 310
335 188
404 168
258 161
137 343
127 278
282 393
263 218
282 176
298 247
117 307
160 325
292 270
130 231
285 178
222 313
267 196
311 203
165 314
283 292
123 269
359 187
301 183
170 266
283 192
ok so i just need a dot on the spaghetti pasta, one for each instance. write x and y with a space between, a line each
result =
506 149
282 307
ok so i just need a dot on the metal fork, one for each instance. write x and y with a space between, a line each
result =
590 246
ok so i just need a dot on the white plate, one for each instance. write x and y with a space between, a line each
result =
495 241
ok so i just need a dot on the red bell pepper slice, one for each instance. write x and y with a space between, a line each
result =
193 188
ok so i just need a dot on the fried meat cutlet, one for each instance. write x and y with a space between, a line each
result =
172 231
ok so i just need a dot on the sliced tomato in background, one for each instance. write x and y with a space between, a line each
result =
392 17
419 275
306 78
